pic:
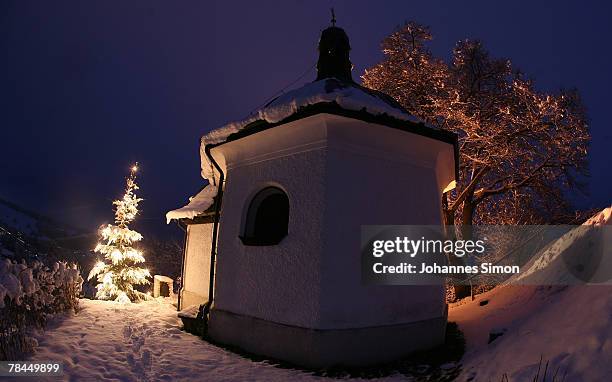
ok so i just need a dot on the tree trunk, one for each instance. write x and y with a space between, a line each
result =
467 233
461 291
467 217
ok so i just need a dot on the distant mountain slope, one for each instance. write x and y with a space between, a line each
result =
12 216
17 218
28 235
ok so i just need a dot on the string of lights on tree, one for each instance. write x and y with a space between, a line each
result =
121 271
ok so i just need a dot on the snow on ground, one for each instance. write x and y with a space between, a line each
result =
568 326
107 341
582 246
508 329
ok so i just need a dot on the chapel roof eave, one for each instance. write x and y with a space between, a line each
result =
199 210
333 108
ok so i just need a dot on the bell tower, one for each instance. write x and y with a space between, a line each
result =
334 48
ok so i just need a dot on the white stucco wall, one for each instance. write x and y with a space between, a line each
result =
277 283
338 173
379 176
197 265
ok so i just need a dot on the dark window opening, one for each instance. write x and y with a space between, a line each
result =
267 219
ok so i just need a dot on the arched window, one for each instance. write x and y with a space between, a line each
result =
267 218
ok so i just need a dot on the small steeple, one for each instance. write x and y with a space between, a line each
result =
334 48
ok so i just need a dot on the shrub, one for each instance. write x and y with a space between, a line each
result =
29 295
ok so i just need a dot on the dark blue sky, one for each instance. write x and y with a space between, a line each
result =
88 87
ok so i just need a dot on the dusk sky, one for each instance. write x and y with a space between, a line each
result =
86 88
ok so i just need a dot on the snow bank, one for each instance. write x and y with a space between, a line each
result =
347 96
553 265
568 326
604 217
197 204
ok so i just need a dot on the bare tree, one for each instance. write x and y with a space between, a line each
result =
521 149
516 144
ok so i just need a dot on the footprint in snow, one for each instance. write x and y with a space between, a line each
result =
146 359
137 344
127 331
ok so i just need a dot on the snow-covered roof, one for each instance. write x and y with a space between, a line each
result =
197 205
343 94
347 95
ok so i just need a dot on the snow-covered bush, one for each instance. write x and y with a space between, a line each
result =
29 294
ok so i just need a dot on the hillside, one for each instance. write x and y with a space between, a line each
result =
549 317
30 236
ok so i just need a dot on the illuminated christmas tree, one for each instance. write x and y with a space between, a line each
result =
120 271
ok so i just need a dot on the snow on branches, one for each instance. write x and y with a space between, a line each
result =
120 271
31 293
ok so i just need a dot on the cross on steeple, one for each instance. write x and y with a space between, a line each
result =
333 19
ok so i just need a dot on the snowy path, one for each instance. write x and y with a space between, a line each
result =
571 327
106 341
